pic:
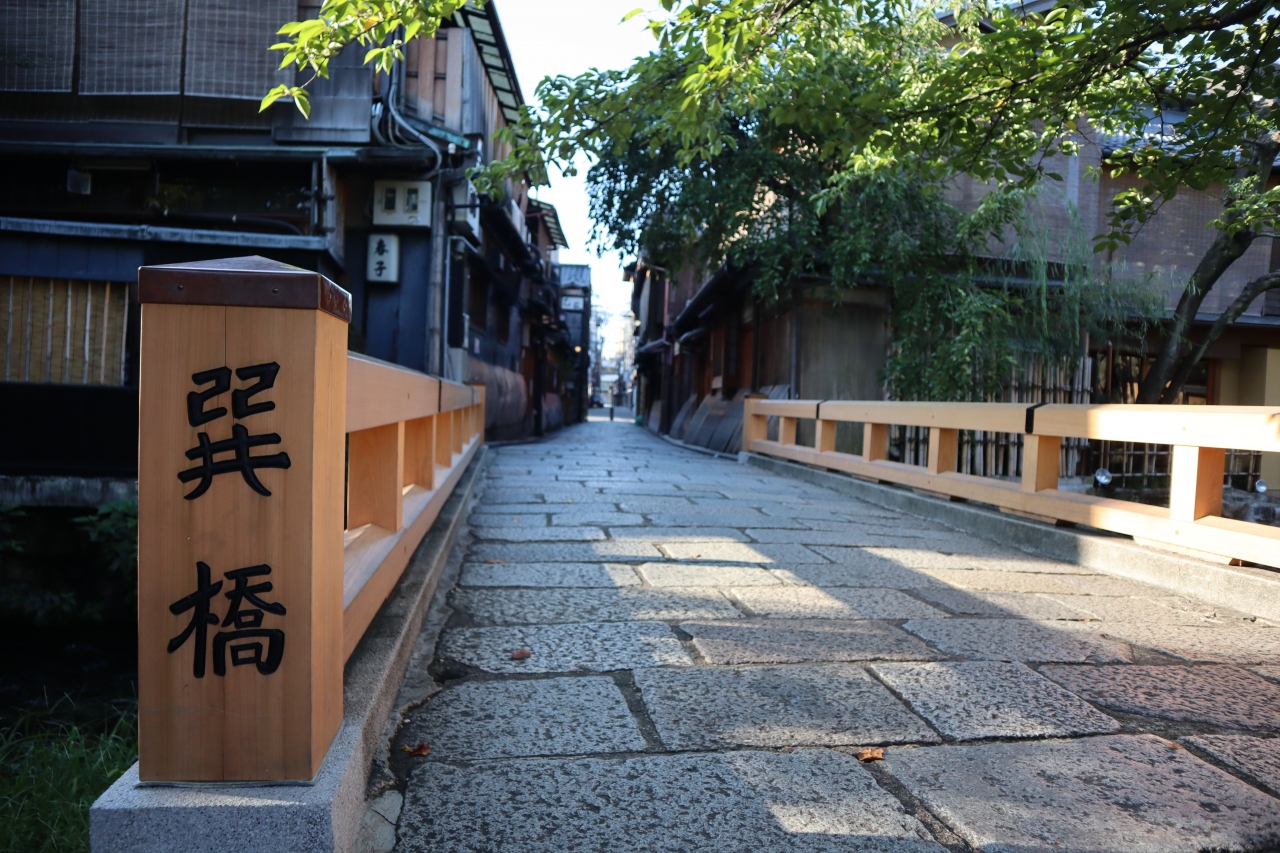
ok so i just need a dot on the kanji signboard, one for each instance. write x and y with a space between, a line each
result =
240 505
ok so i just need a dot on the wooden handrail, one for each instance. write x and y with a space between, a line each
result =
1199 436
410 437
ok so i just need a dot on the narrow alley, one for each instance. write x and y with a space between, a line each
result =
652 649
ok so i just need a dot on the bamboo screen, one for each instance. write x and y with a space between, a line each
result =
63 331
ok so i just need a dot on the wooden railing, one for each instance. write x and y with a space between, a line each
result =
252 592
1200 436
410 437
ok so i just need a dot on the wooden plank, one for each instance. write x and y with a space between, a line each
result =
786 431
1040 461
454 395
420 452
875 442
218 707
824 439
996 417
380 393
456 432
398 548
1227 427
788 408
943 446
1196 482
444 440
375 487
754 425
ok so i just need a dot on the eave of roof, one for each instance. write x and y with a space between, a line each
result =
495 55
551 219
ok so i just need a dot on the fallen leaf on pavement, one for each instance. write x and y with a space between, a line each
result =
875 754
495 561
1176 746
420 750
521 654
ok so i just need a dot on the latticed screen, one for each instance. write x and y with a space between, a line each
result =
131 47
37 45
228 45
62 331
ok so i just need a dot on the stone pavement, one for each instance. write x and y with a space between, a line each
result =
657 650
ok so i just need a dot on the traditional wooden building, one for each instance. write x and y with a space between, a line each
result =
131 135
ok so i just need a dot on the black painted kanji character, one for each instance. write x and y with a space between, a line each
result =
249 622
201 619
266 376
380 248
380 268
221 379
240 443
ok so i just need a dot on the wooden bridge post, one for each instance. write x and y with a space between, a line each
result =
240 518
1196 482
1040 462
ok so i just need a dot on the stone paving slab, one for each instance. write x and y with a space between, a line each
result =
481 511
994 581
802 641
907 556
741 552
684 574
510 719
529 533
584 647
555 606
548 575
791 602
563 552
830 575
1258 758
664 535
991 699
535 516
1215 694
807 801
1017 640
1130 793
831 705
604 516
1212 644
865 536
737 518
1109 585
1271 672
1169 609
1015 562
1008 605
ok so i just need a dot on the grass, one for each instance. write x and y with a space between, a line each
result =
52 768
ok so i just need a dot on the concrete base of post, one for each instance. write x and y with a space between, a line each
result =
323 816
1251 590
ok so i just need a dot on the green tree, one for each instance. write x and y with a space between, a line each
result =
989 92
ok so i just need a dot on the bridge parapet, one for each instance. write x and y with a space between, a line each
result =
1199 436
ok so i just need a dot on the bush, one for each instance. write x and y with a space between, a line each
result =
51 771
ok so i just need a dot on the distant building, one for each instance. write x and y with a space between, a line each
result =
131 135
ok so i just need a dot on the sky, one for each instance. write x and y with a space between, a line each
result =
551 37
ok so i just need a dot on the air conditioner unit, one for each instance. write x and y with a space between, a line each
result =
404 203
466 210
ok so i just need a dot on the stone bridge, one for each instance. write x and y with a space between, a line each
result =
650 649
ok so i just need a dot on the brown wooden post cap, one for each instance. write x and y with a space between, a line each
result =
252 282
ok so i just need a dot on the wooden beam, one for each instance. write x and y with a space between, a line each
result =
375 490
875 442
1196 485
1040 457
943 447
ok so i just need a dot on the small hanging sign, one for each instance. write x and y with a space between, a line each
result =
384 258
